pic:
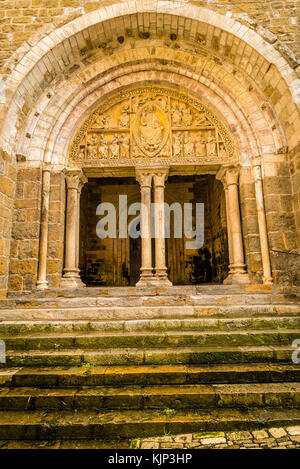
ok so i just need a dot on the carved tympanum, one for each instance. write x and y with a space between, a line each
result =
150 123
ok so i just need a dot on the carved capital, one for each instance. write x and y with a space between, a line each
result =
144 177
75 179
228 175
160 177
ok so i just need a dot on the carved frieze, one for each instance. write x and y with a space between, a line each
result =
153 124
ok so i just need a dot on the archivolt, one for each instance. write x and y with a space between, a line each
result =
60 115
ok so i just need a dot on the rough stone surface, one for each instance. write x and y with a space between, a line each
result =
271 438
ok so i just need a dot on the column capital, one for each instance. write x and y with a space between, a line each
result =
228 175
144 177
75 179
160 177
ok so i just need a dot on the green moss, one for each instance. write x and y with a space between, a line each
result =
198 436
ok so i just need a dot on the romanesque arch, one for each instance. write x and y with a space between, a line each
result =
228 68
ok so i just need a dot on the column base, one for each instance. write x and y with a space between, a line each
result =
268 281
162 277
162 281
238 278
237 275
42 285
71 280
146 281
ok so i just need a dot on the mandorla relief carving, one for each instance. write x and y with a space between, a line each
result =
151 123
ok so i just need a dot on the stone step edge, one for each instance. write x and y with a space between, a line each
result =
152 333
148 313
107 374
127 301
67 425
179 355
145 390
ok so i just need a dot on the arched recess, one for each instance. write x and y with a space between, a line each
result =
246 79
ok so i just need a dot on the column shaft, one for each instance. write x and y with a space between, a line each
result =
75 180
238 272
145 180
42 276
159 221
262 224
229 235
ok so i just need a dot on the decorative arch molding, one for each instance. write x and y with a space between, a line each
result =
71 109
250 42
58 144
156 7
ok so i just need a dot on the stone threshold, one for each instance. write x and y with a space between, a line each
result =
183 290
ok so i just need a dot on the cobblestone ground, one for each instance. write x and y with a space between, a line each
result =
273 438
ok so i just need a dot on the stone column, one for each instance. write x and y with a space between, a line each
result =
159 178
262 224
42 282
238 273
82 181
230 250
145 180
75 180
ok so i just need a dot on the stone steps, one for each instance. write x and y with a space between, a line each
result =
146 339
121 313
164 397
170 356
13 328
127 363
129 301
88 425
149 375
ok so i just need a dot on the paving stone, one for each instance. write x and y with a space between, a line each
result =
260 434
295 438
212 441
294 430
149 445
277 432
242 435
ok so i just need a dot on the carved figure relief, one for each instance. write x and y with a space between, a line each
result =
200 146
189 147
177 145
150 122
100 121
114 146
103 147
149 130
187 117
124 119
124 146
211 145
176 116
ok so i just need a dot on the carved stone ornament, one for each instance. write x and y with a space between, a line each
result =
151 129
154 123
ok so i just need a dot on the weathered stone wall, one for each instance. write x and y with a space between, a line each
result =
256 84
8 174
22 20
25 231
294 157
56 228
281 224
